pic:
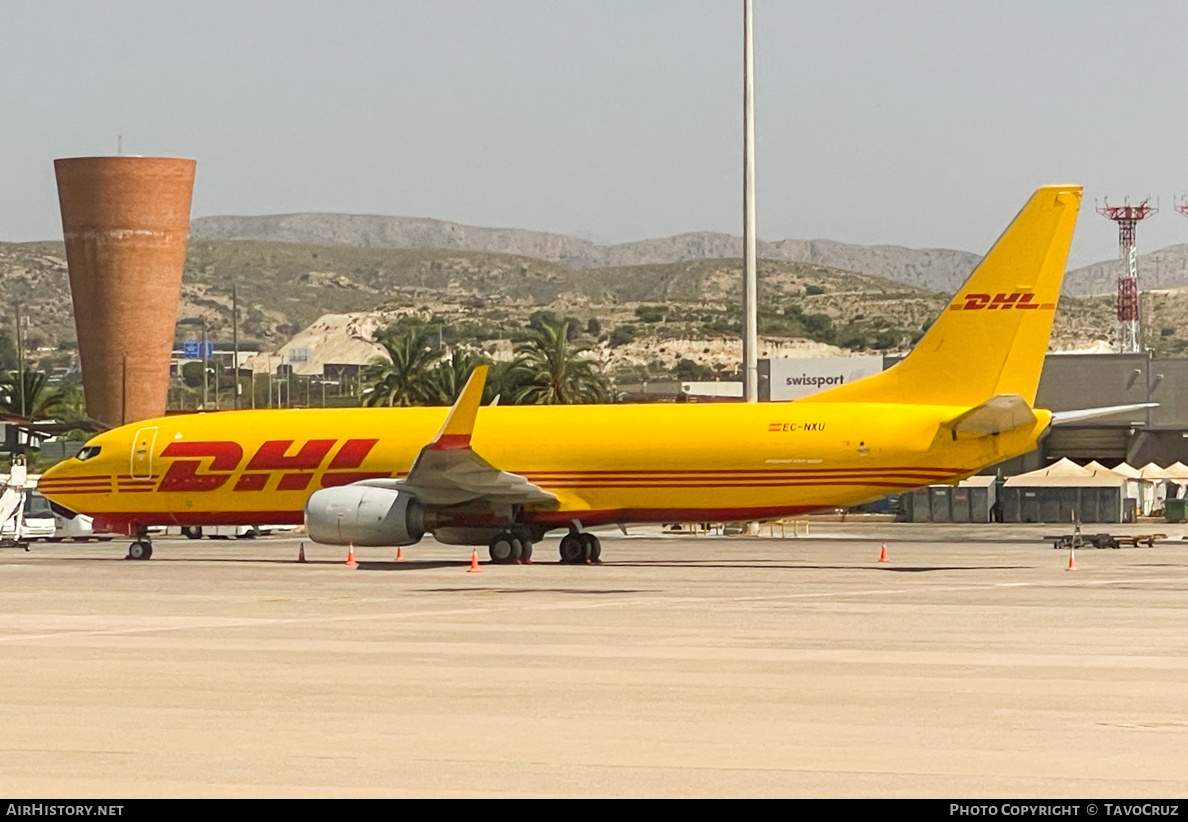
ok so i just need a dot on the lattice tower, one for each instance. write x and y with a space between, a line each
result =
1128 217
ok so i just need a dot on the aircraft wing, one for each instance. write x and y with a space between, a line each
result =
449 472
444 478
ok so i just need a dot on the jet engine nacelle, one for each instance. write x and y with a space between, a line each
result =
364 515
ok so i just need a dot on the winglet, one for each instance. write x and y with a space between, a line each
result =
459 423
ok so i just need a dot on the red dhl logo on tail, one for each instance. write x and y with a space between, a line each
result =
1023 300
184 473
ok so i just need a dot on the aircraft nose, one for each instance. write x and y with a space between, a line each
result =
55 471
59 478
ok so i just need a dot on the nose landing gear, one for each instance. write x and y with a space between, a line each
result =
141 548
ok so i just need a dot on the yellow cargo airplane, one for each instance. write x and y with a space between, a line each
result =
504 476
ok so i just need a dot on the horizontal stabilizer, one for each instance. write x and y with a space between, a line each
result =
1002 412
1069 417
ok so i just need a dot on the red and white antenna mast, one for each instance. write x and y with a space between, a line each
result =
1127 217
1182 206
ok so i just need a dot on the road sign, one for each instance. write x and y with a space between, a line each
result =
192 350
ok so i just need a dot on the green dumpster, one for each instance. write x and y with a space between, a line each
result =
1175 510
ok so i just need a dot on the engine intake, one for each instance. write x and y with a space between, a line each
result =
364 515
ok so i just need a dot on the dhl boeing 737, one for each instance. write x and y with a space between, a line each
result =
504 476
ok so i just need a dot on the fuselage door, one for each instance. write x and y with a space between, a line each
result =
142 453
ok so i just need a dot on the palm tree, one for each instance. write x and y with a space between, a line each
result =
550 370
39 402
403 377
449 376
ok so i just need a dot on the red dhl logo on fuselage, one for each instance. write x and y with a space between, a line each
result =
298 468
1023 300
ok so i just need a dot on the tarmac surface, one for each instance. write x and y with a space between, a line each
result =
973 664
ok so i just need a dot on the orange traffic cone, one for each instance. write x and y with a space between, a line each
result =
883 554
351 563
301 553
474 566
1072 560
399 554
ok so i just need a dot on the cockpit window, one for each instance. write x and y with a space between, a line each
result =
88 452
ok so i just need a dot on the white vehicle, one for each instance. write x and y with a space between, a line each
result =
76 527
229 531
26 515
36 520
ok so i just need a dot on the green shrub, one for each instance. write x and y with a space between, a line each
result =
651 313
622 334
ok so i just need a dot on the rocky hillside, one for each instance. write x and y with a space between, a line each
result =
646 316
1162 269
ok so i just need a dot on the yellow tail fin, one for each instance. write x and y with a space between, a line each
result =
992 338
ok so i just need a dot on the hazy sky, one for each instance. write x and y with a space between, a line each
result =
924 124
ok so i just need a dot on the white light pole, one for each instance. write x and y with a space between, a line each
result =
750 273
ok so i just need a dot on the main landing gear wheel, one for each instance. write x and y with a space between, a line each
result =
580 547
141 549
592 546
572 549
506 548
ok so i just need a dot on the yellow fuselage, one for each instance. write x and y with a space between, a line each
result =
617 463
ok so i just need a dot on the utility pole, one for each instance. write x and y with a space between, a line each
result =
205 366
235 340
20 352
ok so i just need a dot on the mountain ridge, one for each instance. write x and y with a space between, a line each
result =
932 269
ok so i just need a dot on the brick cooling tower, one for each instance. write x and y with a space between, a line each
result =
126 221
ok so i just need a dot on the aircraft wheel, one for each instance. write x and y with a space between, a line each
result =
573 548
504 548
140 550
192 531
592 547
526 551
